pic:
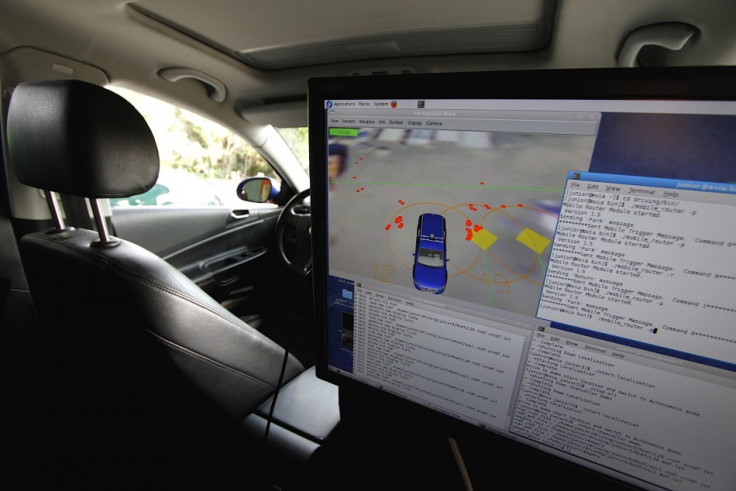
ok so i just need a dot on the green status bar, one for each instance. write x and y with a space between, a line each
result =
343 132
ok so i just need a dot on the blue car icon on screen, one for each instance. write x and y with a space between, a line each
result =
430 254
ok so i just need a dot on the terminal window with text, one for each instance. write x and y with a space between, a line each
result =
560 272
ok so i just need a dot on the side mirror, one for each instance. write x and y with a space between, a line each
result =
257 190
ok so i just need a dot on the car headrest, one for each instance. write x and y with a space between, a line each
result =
80 139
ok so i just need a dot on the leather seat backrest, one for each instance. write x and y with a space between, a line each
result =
136 354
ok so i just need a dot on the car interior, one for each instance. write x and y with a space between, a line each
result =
573 329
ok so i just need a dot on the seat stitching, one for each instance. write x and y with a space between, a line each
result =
135 276
207 359
144 279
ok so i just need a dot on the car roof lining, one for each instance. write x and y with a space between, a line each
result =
508 27
114 38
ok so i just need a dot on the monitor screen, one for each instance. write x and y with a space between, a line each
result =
548 256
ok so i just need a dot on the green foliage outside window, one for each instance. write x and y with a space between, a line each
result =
192 143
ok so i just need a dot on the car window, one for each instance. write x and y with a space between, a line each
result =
175 187
298 141
430 257
201 161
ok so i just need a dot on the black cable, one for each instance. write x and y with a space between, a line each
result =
308 274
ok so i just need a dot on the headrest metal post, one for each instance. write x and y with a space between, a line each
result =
53 201
104 240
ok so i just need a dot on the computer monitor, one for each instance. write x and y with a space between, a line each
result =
546 256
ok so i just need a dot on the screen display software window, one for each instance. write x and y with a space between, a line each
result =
578 294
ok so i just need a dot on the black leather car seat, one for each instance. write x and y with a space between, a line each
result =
144 372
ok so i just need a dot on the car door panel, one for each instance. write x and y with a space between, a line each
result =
229 254
165 230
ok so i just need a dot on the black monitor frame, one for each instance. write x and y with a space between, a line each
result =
685 83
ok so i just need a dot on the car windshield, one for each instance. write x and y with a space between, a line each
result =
432 258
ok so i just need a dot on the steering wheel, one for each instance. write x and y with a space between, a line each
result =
294 234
